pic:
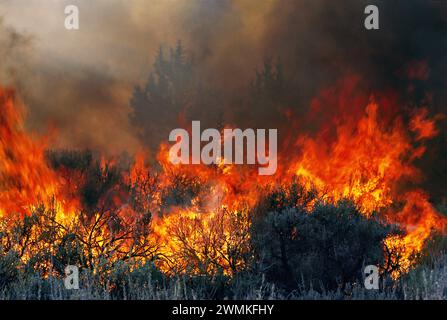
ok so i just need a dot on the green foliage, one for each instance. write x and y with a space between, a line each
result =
323 248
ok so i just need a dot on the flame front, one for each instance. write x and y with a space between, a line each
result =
364 159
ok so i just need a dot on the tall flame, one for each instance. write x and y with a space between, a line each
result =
26 180
366 160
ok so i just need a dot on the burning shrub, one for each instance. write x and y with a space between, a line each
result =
203 243
322 247
99 181
71 160
181 191
68 252
194 222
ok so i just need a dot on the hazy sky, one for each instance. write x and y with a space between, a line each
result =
95 68
81 81
116 35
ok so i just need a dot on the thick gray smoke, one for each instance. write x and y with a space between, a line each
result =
83 82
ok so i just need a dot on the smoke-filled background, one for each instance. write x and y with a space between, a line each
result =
123 81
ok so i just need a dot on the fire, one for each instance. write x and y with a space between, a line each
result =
364 157
205 242
423 126
419 218
363 164
367 163
25 178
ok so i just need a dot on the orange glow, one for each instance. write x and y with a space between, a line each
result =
26 181
365 158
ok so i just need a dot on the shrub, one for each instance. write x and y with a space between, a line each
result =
9 271
321 248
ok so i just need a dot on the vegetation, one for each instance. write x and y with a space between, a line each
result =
294 254
293 244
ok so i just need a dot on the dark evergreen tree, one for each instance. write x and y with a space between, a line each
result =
172 96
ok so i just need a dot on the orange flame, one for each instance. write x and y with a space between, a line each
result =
366 160
25 178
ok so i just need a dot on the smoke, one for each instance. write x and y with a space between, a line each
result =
14 49
81 81
320 41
